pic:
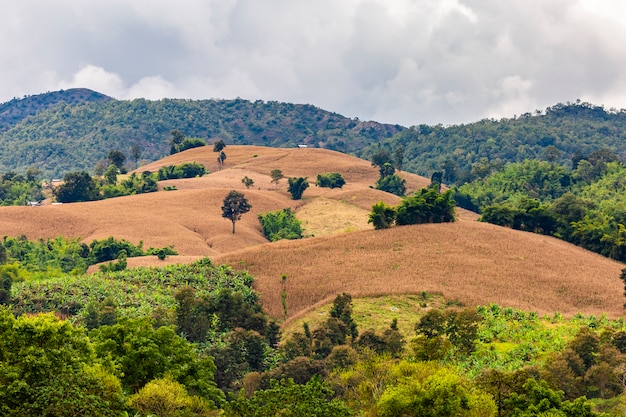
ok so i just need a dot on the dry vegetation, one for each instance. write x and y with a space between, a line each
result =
473 262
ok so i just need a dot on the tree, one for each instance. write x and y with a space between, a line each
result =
297 185
392 184
135 153
380 158
248 182
398 157
221 158
235 204
165 397
276 175
117 158
77 186
219 146
110 175
177 138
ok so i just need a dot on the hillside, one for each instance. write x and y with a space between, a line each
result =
475 263
16 110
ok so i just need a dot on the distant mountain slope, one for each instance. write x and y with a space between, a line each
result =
14 111
72 130
568 129
68 137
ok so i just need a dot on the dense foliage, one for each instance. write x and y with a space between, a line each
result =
280 224
424 206
584 206
463 152
330 180
297 186
46 258
19 190
184 170
63 136
181 332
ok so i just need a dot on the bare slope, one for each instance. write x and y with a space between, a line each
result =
476 263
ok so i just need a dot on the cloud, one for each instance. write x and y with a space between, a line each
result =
406 61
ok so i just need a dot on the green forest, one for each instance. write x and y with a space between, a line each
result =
193 340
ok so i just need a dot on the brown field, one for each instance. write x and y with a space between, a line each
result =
472 262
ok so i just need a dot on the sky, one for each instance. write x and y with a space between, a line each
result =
406 62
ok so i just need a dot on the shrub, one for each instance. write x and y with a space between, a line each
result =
392 184
330 180
185 170
190 143
281 224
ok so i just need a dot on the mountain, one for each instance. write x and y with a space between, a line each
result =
65 133
72 130
16 110
558 134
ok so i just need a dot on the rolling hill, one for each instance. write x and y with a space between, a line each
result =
474 263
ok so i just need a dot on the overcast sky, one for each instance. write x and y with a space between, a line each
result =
393 61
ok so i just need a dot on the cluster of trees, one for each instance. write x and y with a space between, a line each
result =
297 186
19 190
184 170
583 206
389 181
22 259
214 348
80 186
180 143
424 206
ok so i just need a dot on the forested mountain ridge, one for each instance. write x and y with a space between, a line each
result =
558 134
68 137
74 129
16 110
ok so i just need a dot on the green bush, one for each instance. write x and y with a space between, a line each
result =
281 224
185 170
330 180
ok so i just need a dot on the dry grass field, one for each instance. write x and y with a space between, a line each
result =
472 262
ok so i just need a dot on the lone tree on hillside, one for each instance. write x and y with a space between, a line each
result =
221 158
135 152
235 204
219 146
276 175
